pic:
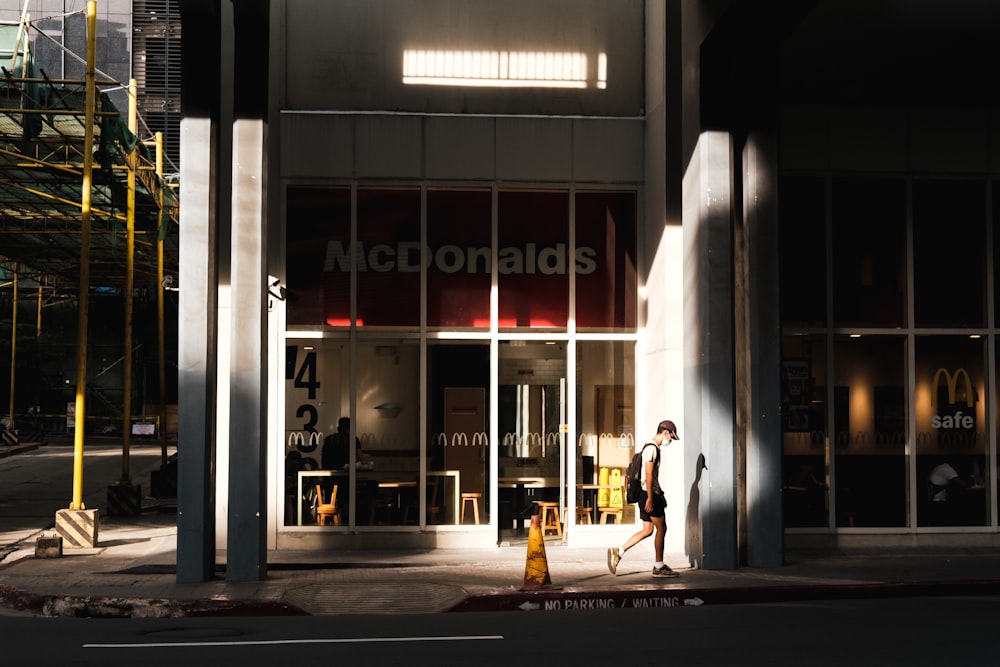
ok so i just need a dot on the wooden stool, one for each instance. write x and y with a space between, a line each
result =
616 512
583 515
326 510
548 516
474 499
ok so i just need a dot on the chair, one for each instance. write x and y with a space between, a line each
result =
433 509
326 510
548 516
615 512
474 499
583 514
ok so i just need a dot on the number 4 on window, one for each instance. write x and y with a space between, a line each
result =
305 378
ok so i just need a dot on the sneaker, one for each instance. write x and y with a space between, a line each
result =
614 557
664 571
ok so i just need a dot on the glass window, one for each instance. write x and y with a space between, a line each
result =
458 448
605 439
868 397
605 261
952 471
949 247
388 258
533 260
802 221
459 233
804 433
388 432
869 247
318 276
317 396
996 253
321 466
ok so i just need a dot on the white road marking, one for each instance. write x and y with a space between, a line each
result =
277 642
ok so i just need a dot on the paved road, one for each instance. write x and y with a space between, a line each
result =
915 631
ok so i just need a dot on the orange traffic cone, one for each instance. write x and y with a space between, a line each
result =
536 567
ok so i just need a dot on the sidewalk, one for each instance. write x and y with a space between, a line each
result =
132 573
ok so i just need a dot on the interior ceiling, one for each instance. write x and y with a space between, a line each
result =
42 144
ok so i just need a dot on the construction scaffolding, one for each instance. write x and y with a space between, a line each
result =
42 135
84 206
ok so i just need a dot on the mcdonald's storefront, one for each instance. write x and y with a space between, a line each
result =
492 293
466 410
893 374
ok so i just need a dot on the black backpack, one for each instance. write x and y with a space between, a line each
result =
633 475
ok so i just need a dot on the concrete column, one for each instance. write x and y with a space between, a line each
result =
198 268
765 533
246 554
708 345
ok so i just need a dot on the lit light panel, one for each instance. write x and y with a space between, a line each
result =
502 69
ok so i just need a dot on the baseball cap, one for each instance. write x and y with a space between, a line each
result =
667 425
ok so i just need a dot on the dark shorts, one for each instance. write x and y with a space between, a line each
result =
659 506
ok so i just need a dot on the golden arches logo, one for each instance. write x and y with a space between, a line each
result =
951 383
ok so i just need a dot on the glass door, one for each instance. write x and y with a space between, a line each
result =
532 409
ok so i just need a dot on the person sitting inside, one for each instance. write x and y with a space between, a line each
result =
336 448
942 478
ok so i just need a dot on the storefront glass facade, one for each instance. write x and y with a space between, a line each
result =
886 374
476 344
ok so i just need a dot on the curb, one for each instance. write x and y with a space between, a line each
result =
17 449
76 606
568 600
548 599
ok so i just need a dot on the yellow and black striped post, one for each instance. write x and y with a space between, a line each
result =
10 437
124 499
78 528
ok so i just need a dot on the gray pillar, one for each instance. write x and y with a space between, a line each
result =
765 534
246 553
198 269
709 413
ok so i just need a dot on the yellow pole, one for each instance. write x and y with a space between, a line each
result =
129 284
85 199
161 342
38 349
13 353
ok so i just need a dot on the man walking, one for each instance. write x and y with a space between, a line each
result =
652 501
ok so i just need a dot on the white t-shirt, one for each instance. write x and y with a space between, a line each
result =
941 475
649 454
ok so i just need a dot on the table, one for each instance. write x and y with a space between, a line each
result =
519 484
385 483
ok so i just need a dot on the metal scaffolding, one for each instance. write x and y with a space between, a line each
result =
83 202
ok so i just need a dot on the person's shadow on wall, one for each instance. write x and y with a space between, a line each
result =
692 522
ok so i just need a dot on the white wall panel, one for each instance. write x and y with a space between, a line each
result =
605 151
389 147
534 149
317 145
460 148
